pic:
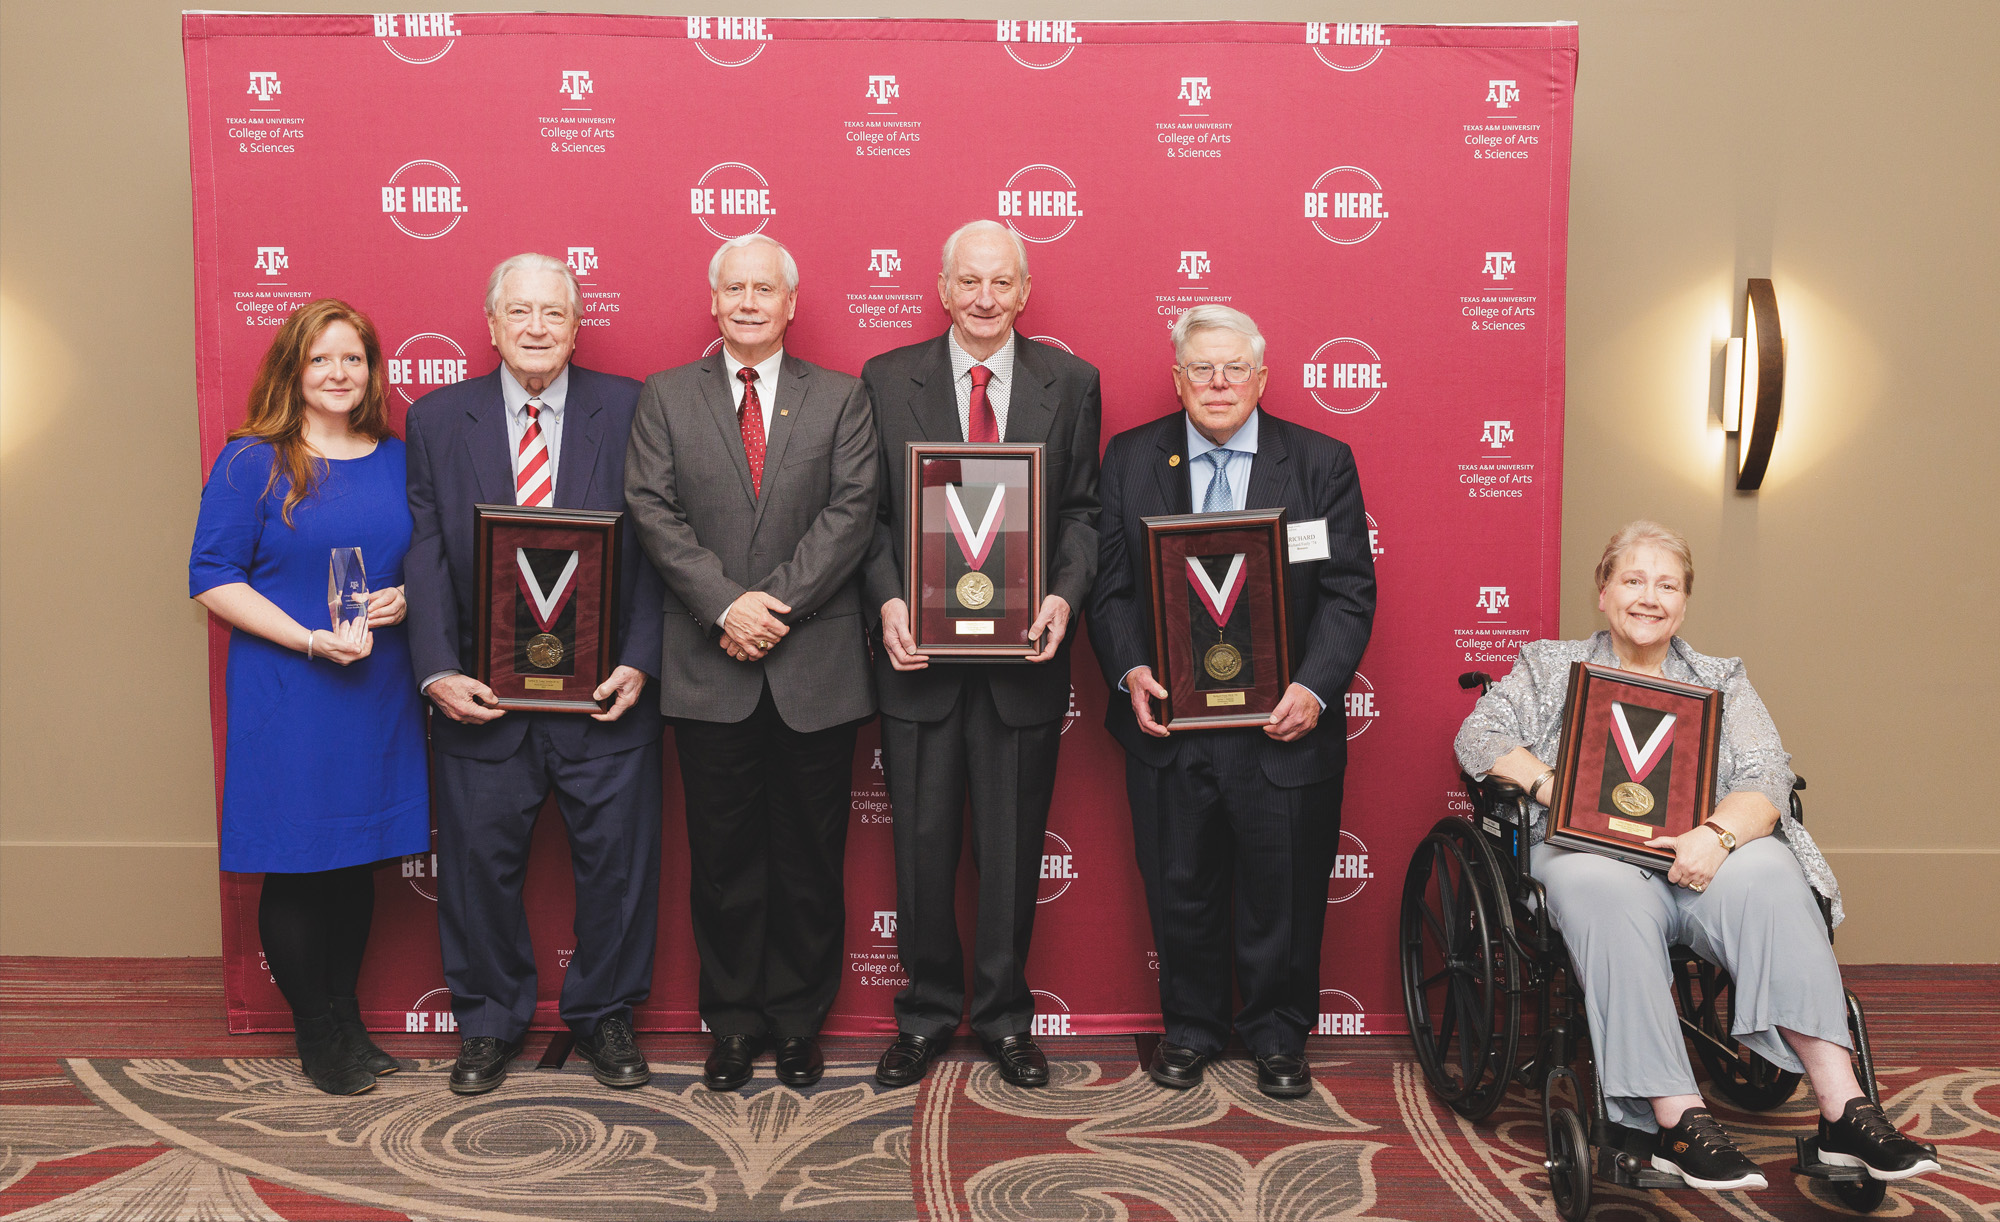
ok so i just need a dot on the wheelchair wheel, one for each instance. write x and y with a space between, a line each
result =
1457 1005
1862 1198
1744 1078
1569 1165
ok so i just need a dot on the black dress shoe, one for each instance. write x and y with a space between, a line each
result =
1175 1067
1019 1061
1283 1075
347 1013
905 1062
799 1061
482 1064
729 1064
614 1055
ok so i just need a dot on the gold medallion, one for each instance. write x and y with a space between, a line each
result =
544 650
1222 662
1632 798
975 590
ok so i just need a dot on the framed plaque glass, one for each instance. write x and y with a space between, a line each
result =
1221 645
547 590
975 549
1637 763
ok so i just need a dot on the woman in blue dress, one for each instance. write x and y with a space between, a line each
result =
325 775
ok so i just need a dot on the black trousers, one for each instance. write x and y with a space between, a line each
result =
1009 774
767 814
485 814
1218 843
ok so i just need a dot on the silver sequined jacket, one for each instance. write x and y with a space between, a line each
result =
1525 710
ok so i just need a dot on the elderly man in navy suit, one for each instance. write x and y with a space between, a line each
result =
538 431
1256 812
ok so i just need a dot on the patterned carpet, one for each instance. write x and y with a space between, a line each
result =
121 1099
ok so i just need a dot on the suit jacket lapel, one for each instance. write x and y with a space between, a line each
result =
1271 469
580 438
933 398
721 403
1031 405
486 444
1170 467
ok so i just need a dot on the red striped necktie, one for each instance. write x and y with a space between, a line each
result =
534 478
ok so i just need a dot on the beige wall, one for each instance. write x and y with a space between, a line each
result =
1843 149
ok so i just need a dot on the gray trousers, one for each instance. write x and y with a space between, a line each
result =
1757 920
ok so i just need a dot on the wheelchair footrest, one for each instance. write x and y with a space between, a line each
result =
1628 1170
1810 1165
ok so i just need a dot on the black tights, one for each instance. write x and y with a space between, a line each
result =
315 929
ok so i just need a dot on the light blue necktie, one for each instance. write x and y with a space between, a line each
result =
1217 498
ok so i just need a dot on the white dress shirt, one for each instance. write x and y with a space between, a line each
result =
767 382
998 390
550 417
1241 449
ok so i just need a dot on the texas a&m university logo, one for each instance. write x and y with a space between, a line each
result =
1497 434
1492 600
582 261
732 200
1195 264
1040 203
884 262
1344 375
575 85
271 260
1499 264
424 199
882 90
1195 91
263 86
884 925
1345 205
1346 46
1502 95
728 42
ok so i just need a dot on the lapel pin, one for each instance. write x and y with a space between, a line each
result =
784 411
1174 460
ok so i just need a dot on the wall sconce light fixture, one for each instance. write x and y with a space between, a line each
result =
1753 385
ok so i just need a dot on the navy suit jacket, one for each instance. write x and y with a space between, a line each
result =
458 458
1331 602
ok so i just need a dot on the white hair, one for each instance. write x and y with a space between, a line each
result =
532 262
787 264
1212 317
951 244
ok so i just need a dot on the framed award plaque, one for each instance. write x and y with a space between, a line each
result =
1637 763
547 589
975 549
1221 644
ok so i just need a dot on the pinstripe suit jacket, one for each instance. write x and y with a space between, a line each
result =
1331 602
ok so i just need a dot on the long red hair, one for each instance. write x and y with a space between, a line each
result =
278 406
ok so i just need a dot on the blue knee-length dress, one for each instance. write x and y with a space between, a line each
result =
325 764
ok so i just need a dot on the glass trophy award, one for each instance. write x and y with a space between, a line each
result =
346 587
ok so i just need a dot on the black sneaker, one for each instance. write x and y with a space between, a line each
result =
1699 1152
614 1055
1863 1137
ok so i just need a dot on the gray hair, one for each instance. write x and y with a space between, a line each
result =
1639 534
532 262
789 265
1212 317
951 244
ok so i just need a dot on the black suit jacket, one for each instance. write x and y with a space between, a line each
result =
1331 602
1054 400
458 458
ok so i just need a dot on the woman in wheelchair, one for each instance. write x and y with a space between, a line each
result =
1740 892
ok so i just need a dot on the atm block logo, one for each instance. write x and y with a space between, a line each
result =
263 86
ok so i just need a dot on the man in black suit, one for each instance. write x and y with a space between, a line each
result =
536 431
1258 811
751 475
988 732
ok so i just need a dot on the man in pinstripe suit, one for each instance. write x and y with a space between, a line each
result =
1256 812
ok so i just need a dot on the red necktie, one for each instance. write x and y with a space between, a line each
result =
534 482
980 424
750 419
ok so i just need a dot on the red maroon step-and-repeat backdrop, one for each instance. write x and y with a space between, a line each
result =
1389 202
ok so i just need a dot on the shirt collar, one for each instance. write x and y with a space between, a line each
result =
767 369
1001 362
1243 441
516 397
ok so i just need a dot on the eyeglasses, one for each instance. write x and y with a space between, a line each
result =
1236 372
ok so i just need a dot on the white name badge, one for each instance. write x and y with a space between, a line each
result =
1307 541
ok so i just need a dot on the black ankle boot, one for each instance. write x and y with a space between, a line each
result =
347 1012
326 1058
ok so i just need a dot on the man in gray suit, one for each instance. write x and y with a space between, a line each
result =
751 479
984 732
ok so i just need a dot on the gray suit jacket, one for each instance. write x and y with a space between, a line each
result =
687 484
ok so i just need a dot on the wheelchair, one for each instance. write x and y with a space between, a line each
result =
1477 948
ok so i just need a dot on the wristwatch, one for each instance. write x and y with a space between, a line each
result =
1727 837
